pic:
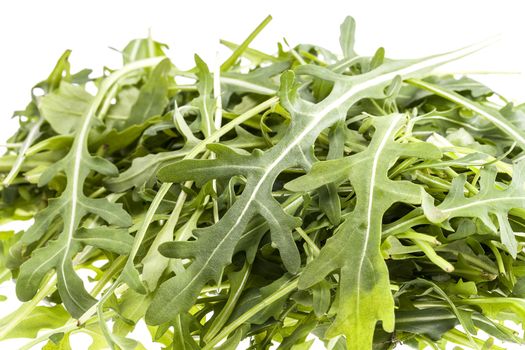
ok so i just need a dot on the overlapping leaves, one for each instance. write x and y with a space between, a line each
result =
364 295
302 194
490 205
71 207
212 252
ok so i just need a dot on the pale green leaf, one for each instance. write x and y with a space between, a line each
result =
152 97
63 108
489 205
41 317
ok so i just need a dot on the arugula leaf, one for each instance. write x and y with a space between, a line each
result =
486 112
152 99
71 206
42 317
63 107
364 292
489 203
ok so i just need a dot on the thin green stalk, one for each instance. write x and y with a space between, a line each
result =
114 268
48 287
239 50
4 274
492 116
497 255
93 309
457 337
379 108
413 235
250 52
30 138
279 323
294 53
289 287
164 188
308 240
213 288
217 123
107 101
402 166
473 190
187 87
228 308
12 145
69 327
104 328
433 181
432 255
470 259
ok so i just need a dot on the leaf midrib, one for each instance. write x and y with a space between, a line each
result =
79 145
370 206
482 202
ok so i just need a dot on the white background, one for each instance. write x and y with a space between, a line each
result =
34 34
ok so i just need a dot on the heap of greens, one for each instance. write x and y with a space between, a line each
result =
273 202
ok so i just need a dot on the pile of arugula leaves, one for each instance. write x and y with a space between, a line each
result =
273 200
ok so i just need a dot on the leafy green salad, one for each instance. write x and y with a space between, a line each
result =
273 202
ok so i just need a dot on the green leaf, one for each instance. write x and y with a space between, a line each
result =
140 49
71 206
519 288
152 98
347 38
63 109
108 238
432 322
112 140
258 81
489 204
497 307
182 338
238 282
364 292
205 103
135 176
255 56
41 317
256 296
61 344
59 73
131 309
493 116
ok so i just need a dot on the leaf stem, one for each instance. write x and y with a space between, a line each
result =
289 287
228 308
241 48
20 314
432 255
166 186
492 116
71 326
31 136
93 309
117 265
308 240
